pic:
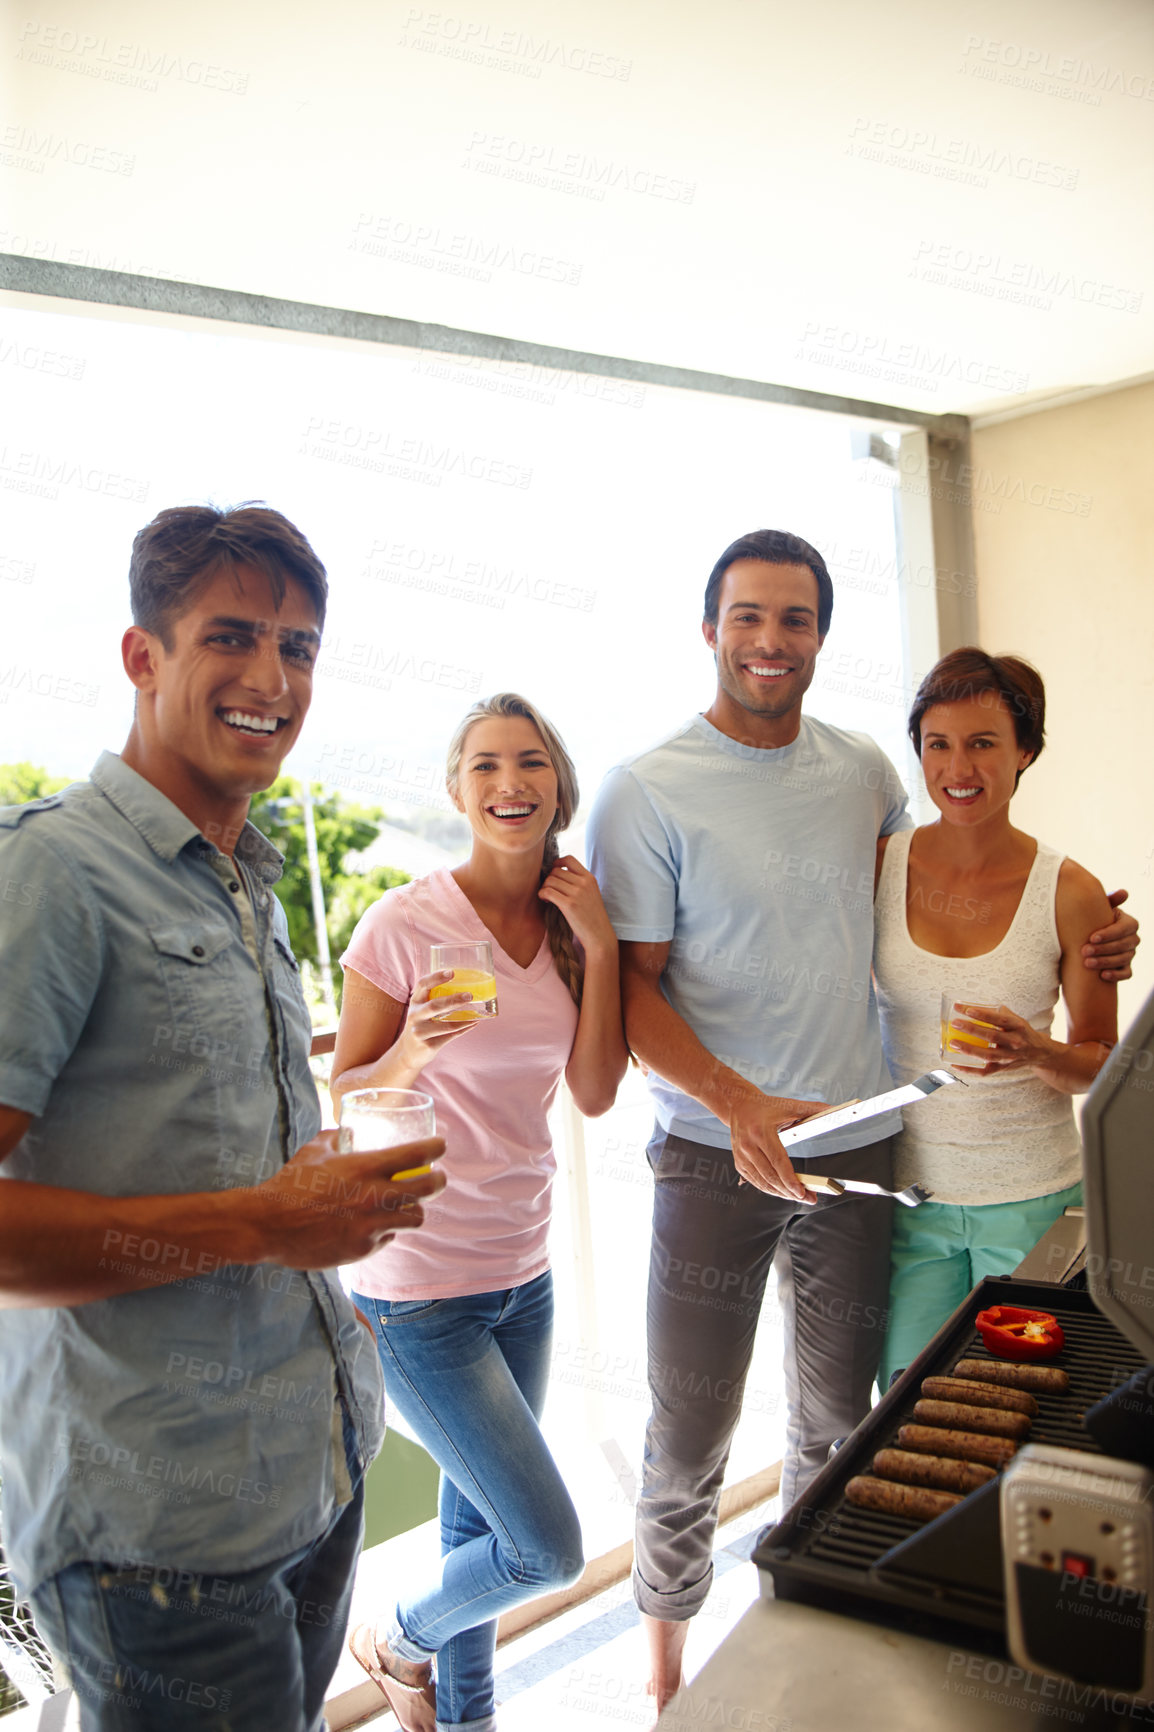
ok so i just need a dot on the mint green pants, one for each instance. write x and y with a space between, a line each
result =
942 1250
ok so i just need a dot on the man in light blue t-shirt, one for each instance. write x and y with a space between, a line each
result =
736 859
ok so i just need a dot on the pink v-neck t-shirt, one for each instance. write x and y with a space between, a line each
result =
493 1087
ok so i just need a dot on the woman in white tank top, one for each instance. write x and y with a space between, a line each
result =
971 906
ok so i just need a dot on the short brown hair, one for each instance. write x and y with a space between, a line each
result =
774 547
965 673
180 552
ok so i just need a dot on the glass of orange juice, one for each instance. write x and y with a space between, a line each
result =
472 966
952 1035
381 1118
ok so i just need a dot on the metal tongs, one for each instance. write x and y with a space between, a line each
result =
860 1112
826 1185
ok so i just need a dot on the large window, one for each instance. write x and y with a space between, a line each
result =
486 526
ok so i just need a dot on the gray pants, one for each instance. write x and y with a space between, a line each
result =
713 1242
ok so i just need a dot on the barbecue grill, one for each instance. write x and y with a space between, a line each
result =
945 1579
831 1553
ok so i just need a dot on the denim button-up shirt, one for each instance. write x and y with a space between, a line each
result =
152 1022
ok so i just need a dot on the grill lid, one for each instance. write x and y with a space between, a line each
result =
1118 1143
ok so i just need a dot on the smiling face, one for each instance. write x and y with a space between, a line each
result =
219 710
766 642
506 786
971 758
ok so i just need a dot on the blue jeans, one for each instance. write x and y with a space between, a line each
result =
152 1648
469 1375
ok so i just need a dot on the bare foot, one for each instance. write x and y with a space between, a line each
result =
666 1645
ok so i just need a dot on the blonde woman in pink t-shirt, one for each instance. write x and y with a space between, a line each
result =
463 1313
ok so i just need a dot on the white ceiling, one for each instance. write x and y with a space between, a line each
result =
943 207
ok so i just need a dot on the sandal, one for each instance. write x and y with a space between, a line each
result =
415 1705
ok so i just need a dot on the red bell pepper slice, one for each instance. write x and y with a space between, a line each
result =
1008 1332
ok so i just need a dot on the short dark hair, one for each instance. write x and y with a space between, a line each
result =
180 552
965 673
775 547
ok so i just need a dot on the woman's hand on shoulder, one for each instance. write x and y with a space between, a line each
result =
573 889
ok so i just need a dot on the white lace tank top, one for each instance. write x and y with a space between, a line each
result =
1000 1139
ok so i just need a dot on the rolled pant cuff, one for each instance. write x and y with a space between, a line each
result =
675 1607
404 1647
487 1723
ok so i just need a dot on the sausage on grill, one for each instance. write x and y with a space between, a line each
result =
934 1470
979 1394
956 1417
1045 1379
962 1445
912 1501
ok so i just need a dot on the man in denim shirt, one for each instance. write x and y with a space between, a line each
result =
188 1399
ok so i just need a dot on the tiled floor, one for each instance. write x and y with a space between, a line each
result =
588 1668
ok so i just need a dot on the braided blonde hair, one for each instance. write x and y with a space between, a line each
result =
505 704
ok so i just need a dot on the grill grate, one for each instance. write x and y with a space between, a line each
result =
825 1549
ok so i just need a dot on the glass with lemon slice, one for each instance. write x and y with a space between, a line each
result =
381 1118
472 966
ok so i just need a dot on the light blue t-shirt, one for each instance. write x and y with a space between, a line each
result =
757 866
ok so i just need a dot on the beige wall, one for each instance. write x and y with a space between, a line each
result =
1064 546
